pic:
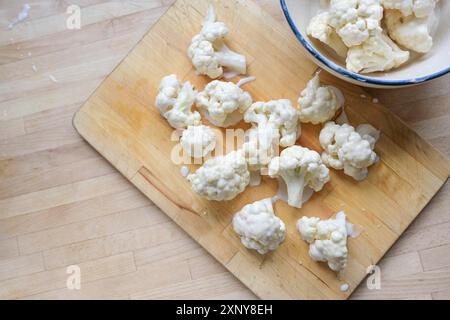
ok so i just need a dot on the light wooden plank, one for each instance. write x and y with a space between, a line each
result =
436 258
134 24
441 295
46 159
204 266
54 96
428 237
57 22
400 266
79 171
29 143
53 197
174 250
11 129
90 229
20 266
212 287
118 287
73 212
133 240
42 282
409 287
9 248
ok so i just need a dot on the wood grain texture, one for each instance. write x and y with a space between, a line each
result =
36 158
121 122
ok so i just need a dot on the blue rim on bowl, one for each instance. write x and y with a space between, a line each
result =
347 73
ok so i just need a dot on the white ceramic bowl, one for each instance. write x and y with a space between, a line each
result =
420 68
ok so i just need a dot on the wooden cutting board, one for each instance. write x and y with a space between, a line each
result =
121 122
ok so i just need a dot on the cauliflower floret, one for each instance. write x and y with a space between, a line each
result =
378 53
208 52
223 103
424 8
276 120
221 178
369 133
258 158
302 172
420 8
345 148
342 12
175 101
198 141
319 29
410 32
258 226
355 19
318 104
327 239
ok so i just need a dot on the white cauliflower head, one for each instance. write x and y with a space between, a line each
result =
420 8
411 32
175 101
378 53
212 29
257 156
347 149
355 19
318 104
223 103
327 239
258 226
198 141
208 52
278 119
302 171
221 178
319 29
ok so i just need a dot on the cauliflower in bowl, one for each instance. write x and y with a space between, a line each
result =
258 226
368 32
420 8
410 32
378 53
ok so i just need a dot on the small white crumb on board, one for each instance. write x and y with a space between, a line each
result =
184 171
246 80
375 100
345 287
52 78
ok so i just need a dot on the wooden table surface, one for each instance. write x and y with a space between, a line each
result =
61 204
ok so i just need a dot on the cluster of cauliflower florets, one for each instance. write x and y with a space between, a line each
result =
300 171
368 33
